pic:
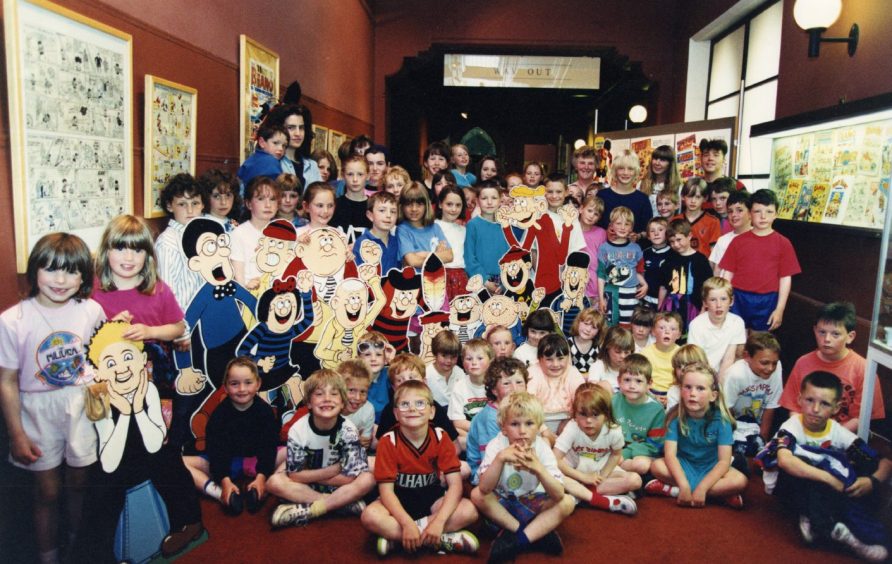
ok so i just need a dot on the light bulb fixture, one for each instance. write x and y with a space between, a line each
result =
578 143
464 115
815 16
637 113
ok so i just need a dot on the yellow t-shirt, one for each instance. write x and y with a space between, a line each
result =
663 375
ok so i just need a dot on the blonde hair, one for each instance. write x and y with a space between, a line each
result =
326 378
373 337
127 232
413 386
521 404
593 316
479 344
108 333
638 365
417 192
354 369
593 199
592 399
622 213
403 362
685 355
718 403
616 337
717 283
398 173
627 159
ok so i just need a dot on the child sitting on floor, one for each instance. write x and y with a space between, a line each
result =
442 374
617 346
640 416
469 395
585 339
553 380
358 409
537 325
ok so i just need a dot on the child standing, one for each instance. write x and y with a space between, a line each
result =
589 451
667 330
435 159
536 326
183 200
485 243
553 380
620 270
289 204
469 394
622 193
667 204
242 434
661 176
449 212
760 264
396 179
503 377
224 201
382 213
413 508
719 191
640 416
319 205
589 214
739 220
520 483
683 274
460 161
262 200
43 368
326 467
585 338
444 372
556 198
502 341
418 235
533 175
697 460
617 345
272 140
654 257
719 332
705 228
350 210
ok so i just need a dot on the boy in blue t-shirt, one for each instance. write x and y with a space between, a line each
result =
620 280
272 140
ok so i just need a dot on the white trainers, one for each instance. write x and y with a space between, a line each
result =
622 504
385 546
769 480
291 514
459 541
871 552
805 529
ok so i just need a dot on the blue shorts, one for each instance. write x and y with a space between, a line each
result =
755 309
526 507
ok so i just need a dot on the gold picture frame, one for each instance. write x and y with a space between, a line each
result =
70 95
171 114
320 138
258 86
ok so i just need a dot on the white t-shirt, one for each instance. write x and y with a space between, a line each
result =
650 340
455 235
716 340
748 396
245 239
48 346
718 250
586 454
519 482
364 419
673 396
440 388
526 353
599 371
833 436
466 400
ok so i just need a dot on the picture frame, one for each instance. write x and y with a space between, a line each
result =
335 138
171 121
70 98
320 138
258 87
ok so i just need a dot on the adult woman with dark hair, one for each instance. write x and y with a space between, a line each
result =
298 122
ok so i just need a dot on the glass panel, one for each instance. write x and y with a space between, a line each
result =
727 62
725 108
758 107
763 48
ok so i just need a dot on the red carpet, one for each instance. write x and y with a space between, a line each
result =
661 532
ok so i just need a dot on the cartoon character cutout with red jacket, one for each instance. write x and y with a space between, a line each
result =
401 291
528 212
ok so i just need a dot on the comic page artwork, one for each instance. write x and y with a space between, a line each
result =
170 120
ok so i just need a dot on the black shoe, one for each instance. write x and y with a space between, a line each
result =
740 462
253 503
504 547
550 544
236 504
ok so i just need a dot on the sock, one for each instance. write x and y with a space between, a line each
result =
318 509
49 557
522 539
599 501
422 523
213 490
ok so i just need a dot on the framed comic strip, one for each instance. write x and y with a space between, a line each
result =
320 138
258 87
335 138
69 81
171 111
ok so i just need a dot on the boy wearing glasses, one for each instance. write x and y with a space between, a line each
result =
413 509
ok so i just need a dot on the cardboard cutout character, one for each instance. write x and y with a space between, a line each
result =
502 310
572 298
352 315
527 211
465 311
514 269
432 323
433 283
275 251
132 450
401 289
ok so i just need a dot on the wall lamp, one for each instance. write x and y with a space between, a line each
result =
815 16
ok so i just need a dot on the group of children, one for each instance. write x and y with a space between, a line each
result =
596 408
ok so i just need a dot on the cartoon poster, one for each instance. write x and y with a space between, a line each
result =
791 197
837 200
864 202
803 204
819 194
801 156
782 165
70 98
870 155
258 89
687 155
822 157
845 156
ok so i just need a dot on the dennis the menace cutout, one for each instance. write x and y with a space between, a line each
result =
401 293
131 449
432 323
572 298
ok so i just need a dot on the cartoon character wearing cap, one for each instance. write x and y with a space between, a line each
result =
432 324
514 271
352 315
132 449
527 212
275 251
280 322
401 291
572 299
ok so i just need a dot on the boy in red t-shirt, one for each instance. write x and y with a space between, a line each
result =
834 331
760 265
